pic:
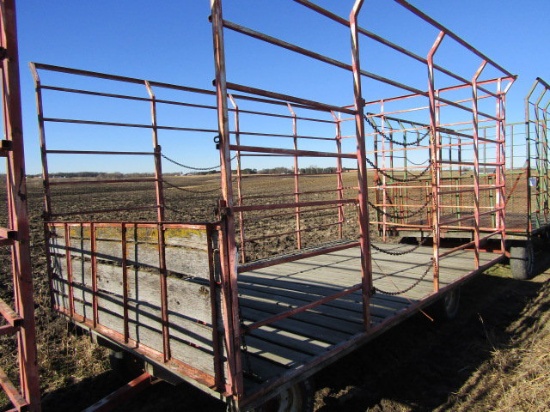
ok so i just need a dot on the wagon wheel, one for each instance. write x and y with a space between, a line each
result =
522 261
296 398
448 306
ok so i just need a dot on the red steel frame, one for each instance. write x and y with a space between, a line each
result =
20 320
537 103
234 205
436 103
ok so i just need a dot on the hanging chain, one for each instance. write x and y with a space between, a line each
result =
398 216
391 139
416 177
192 167
415 284
399 253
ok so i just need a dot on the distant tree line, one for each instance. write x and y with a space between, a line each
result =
310 170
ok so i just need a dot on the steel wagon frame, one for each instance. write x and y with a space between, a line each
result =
256 323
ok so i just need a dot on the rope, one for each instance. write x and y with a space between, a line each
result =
415 284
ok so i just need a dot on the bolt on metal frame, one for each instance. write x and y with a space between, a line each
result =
17 320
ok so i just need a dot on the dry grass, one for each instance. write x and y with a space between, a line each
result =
495 357
517 376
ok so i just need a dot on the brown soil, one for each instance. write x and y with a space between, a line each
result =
494 356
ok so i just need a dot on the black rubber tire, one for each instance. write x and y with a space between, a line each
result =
297 398
448 307
522 261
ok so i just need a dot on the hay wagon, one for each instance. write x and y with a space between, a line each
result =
245 284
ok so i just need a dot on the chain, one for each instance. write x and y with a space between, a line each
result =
416 177
192 167
189 190
415 284
400 253
400 216
391 139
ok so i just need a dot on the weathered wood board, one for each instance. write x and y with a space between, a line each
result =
296 340
115 253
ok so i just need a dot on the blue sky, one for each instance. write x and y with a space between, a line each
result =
170 41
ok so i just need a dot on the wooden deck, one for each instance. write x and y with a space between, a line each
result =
289 343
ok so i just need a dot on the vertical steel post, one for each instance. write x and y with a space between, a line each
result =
359 104
125 291
160 227
339 170
239 180
228 249
17 208
475 129
93 259
501 168
435 144
296 177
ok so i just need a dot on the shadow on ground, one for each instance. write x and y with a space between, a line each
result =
416 366
420 364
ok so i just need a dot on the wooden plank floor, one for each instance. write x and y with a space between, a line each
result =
289 343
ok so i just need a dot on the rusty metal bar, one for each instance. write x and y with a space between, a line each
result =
290 152
435 141
17 218
228 248
286 314
125 286
125 79
95 211
18 401
292 205
359 108
385 42
456 38
240 197
9 314
309 104
69 262
298 233
160 228
259 264
123 394
94 182
213 269
93 258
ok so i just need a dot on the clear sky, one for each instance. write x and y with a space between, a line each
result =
170 41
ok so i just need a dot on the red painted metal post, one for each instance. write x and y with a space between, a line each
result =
475 128
228 249
125 291
339 171
160 227
501 170
93 251
435 154
296 177
359 106
17 209
239 179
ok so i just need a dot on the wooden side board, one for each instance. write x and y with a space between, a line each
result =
117 269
